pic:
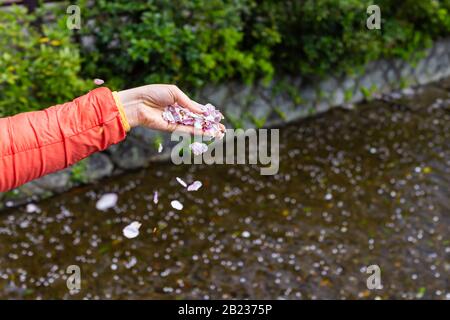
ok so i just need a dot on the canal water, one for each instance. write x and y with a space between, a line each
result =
356 188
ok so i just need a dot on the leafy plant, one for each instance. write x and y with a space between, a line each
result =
323 36
157 141
78 172
348 95
280 113
40 66
258 122
185 42
197 42
369 92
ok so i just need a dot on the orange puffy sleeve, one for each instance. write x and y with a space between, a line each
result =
33 144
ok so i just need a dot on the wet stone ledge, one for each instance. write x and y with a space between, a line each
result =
274 104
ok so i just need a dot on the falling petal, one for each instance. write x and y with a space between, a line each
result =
155 197
99 82
132 230
246 234
160 148
106 201
176 205
194 186
131 263
180 181
31 208
198 148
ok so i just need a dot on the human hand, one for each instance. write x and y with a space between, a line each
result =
145 105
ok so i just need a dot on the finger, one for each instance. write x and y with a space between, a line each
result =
153 120
172 127
188 129
182 99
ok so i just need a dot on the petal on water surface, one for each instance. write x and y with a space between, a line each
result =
132 230
155 197
106 201
31 208
176 205
194 186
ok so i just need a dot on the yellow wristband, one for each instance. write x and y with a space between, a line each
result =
119 105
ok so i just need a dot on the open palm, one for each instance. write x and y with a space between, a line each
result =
144 106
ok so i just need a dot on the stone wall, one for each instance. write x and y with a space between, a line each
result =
245 106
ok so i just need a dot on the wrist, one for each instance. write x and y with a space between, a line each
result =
129 110
132 113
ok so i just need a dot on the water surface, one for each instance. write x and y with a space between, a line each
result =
355 188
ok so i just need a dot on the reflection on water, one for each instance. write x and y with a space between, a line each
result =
355 188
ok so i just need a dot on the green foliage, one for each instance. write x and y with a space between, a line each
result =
78 172
236 122
404 83
348 95
185 41
421 292
157 141
258 122
369 92
196 42
319 37
280 113
39 67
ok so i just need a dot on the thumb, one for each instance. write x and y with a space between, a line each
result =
182 99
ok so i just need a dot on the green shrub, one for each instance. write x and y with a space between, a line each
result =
196 42
78 172
319 37
186 42
38 68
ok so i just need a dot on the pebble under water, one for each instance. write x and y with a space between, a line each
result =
355 188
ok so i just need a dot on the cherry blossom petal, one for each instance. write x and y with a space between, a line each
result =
106 201
194 186
220 135
208 121
131 263
198 148
155 197
176 205
245 234
132 230
31 208
99 82
180 181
